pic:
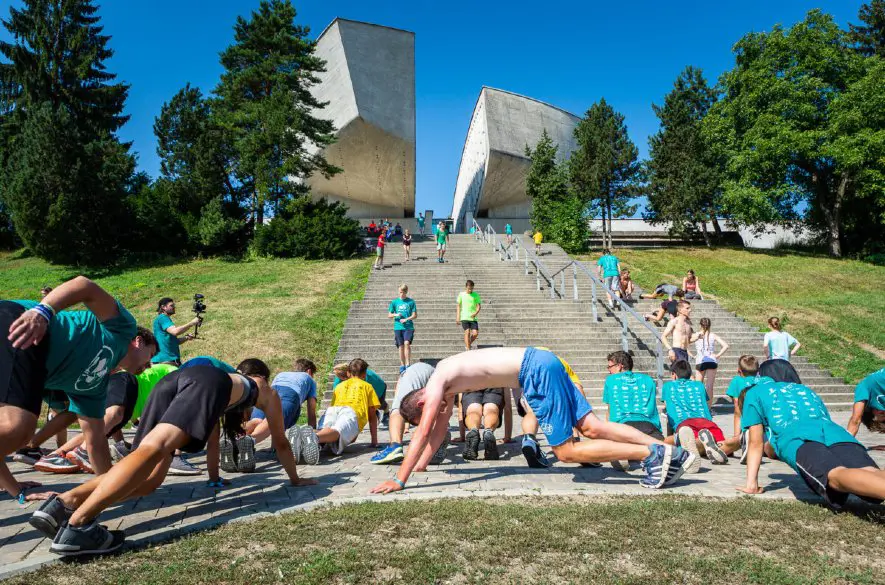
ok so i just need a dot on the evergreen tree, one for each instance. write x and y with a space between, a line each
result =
264 100
683 179
64 175
870 36
604 169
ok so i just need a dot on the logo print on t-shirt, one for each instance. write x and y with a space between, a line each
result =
96 372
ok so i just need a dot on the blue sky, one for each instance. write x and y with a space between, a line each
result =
566 53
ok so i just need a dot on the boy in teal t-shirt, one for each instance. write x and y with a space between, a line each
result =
689 416
869 405
609 270
442 241
748 369
827 457
403 312
631 397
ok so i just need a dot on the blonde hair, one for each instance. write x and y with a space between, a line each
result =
404 288
342 370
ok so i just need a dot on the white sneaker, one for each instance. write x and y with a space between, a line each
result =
294 437
687 442
310 446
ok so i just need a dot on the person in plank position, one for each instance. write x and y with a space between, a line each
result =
869 406
182 413
554 399
826 456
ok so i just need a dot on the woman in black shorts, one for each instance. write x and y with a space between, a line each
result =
183 412
407 244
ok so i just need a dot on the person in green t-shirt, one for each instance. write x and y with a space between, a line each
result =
469 304
403 312
442 240
609 270
167 333
869 406
421 223
82 348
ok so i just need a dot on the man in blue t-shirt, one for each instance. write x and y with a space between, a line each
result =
609 270
869 406
688 414
831 461
403 312
44 347
167 333
294 388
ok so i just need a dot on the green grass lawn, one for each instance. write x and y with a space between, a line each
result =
276 310
835 308
523 540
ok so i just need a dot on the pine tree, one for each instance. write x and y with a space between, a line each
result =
604 169
683 178
64 175
264 100
870 36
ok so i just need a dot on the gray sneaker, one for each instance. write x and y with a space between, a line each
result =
92 539
246 458
310 446
50 517
293 435
119 450
180 466
440 454
228 455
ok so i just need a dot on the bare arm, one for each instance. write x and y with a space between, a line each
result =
856 415
737 418
30 327
795 348
312 412
436 438
478 309
755 442
177 330
96 443
373 425
273 409
458 311
724 345
697 284
213 452
668 331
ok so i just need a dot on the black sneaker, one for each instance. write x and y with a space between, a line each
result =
534 457
92 539
471 445
228 455
28 455
440 454
246 458
490 446
50 517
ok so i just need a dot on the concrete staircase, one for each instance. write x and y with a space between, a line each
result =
516 313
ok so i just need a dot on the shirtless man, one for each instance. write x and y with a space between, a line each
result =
554 399
680 328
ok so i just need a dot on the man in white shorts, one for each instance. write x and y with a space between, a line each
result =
415 378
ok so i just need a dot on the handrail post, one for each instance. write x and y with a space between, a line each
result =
575 279
624 345
552 282
525 259
593 304
537 276
562 284
660 361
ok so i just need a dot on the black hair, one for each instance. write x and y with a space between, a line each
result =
254 367
358 367
779 371
146 335
305 365
868 421
410 409
621 358
682 369
162 302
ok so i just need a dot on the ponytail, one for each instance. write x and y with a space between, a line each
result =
774 323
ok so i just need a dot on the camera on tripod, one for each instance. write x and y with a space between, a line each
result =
199 308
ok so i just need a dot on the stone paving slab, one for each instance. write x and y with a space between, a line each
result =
183 504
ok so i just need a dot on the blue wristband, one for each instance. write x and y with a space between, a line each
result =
43 311
401 483
21 496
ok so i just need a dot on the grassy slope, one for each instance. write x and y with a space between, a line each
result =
833 307
276 310
529 540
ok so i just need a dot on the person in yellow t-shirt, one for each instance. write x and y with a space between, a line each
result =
538 237
530 448
354 403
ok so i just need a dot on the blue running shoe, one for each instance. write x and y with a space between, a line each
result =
533 454
656 466
390 454
680 461
402 370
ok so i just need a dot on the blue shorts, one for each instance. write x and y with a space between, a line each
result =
555 400
402 336
291 412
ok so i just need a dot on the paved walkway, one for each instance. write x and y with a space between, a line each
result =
184 504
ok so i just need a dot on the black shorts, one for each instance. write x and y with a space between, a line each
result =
679 355
704 366
670 307
22 371
403 336
192 399
647 428
815 461
489 396
122 391
465 325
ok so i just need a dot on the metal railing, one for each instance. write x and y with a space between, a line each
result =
626 314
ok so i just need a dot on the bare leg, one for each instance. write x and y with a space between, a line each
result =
599 451
407 353
327 435
529 424
16 427
61 437
397 427
710 384
473 416
59 421
467 339
491 416
593 428
474 334
259 431
402 354
868 481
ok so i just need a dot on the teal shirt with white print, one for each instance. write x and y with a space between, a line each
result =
82 353
738 383
872 390
631 397
685 399
795 414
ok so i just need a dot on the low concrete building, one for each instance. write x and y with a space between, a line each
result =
491 178
369 85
